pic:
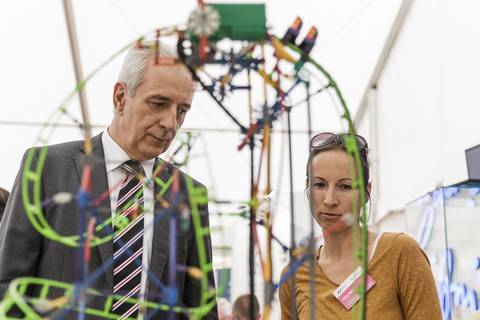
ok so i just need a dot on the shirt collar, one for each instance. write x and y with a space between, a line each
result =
115 155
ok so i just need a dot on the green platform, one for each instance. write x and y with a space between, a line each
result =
244 21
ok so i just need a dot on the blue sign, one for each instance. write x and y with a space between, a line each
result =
454 293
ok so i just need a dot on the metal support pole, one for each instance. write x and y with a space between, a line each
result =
251 251
84 214
292 207
74 48
311 242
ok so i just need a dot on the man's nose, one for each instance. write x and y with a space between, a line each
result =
169 118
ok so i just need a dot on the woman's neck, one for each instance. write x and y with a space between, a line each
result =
339 246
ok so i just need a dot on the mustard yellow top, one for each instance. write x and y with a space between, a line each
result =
404 287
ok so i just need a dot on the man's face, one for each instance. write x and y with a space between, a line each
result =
146 123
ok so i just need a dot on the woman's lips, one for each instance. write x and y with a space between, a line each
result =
330 216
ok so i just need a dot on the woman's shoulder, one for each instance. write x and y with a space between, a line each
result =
399 239
288 271
285 268
298 269
396 242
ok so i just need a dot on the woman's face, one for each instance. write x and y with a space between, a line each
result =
332 192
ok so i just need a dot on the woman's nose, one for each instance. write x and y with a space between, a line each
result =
330 199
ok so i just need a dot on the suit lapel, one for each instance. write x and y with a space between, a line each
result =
99 187
161 226
161 218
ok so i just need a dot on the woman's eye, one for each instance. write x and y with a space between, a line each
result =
318 184
345 187
181 112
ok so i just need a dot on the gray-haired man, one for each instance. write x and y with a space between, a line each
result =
150 104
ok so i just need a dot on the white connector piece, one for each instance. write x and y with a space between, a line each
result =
62 198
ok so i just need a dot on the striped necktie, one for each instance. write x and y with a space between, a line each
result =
128 241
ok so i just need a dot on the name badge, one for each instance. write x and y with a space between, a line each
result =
347 293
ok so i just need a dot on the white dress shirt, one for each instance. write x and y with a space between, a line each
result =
114 157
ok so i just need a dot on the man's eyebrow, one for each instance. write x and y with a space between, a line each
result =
165 98
159 97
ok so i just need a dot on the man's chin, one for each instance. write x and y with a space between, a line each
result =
155 151
147 151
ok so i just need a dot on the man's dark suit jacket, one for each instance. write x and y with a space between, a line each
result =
25 252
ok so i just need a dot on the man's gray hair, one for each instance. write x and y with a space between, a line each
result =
135 63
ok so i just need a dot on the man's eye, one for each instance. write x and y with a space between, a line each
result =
157 103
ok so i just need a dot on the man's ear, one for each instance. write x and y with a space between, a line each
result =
119 96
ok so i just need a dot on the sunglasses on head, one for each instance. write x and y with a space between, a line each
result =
325 139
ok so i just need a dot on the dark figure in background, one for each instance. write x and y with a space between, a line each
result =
150 104
241 308
3 201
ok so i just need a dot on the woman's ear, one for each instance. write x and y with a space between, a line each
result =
119 96
369 191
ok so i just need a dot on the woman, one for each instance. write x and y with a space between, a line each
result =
402 285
